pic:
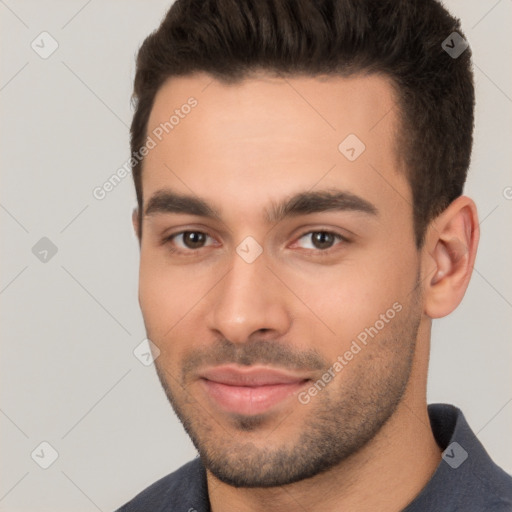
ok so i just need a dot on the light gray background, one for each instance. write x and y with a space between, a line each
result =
70 325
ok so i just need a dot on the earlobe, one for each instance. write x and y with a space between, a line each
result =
449 256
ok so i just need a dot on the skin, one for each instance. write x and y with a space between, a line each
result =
298 306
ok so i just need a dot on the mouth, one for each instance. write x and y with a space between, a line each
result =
249 391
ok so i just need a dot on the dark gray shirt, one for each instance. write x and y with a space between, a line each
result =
466 480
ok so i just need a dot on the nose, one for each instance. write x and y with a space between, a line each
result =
249 301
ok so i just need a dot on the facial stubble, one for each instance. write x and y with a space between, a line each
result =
340 420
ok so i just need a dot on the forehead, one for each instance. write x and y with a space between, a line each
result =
265 134
304 104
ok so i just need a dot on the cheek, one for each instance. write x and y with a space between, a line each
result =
160 296
163 308
350 298
170 297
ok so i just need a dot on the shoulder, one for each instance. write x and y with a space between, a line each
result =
184 489
467 479
488 485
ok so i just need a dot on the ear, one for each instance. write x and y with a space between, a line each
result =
448 256
135 222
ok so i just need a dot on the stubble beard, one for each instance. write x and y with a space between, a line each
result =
340 420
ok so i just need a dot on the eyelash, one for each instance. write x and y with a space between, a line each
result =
192 252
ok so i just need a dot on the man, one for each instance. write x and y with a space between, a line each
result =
301 222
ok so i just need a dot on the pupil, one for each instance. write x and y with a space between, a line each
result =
193 239
322 240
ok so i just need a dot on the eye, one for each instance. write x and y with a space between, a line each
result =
320 240
190 241
187 241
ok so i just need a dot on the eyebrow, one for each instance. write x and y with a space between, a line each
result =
167 201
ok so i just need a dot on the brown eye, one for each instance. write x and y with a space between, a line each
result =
320 240
193 239
187 242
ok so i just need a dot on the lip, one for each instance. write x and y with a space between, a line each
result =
232 375
249 390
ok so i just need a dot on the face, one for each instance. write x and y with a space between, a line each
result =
278 274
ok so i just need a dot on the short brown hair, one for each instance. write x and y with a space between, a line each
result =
402 39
